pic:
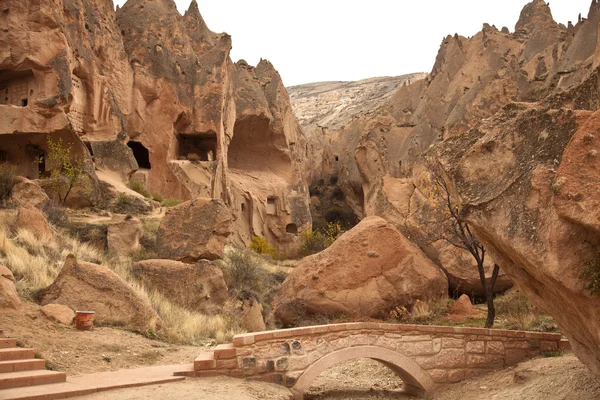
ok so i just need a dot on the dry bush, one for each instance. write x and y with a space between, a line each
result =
147 249
184 326
514 311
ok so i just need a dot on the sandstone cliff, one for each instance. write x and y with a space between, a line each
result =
147 94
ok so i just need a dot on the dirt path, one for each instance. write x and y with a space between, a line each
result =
558 378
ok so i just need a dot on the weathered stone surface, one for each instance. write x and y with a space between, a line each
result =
366 272
521 177
34 221
252 317
194 230
463 275
199 287
84 286
28 194
58 313
123 235
8 293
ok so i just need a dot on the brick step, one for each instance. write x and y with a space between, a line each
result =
1 333
225 351
22 365
6 343
18 379
205 361
16 354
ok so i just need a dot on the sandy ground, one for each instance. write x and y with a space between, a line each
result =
555 378
80 352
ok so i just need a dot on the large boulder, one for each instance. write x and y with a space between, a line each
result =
194 230
528 181
85 286
123 235
365 273
33 220
462 272
8 293
198 287
26 193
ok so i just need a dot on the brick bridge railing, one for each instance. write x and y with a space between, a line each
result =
421 355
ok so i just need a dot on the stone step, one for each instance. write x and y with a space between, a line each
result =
7 343
22 365
225 351
1 333
16 354
205 361
18 379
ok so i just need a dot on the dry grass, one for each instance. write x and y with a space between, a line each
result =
36 263
513 311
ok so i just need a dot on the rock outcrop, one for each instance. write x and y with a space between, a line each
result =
33 220
28 194
198 287
147 94
58 313
366 272
123 235
8 292
194 230
85 286
527 179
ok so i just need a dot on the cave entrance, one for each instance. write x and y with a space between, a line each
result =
141 154
17 88
197 147
291 228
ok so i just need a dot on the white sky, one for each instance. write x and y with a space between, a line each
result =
339 40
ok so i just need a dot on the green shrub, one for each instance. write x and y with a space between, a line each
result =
260 245
315 241
7 181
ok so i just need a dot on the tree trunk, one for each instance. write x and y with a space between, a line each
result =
489 296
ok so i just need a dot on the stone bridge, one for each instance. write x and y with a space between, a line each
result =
422 356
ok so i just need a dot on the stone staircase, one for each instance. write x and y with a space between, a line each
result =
222 360
20 368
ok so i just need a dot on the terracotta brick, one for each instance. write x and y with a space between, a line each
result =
516 344
564 345
449 358
455 375
225 351
226 364
516 334
444 329
262 336
494 347
475 347
243 340
451 343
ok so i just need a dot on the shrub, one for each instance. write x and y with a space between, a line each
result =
7 181
139 187
68 170
260 245
243 272
55 214
315 241
130 205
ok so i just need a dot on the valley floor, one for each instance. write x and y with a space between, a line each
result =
555 378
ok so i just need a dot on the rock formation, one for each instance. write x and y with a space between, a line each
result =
194 230
149 95
366 272
198 287
85 286
8 292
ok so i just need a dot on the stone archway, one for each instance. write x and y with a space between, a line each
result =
416 380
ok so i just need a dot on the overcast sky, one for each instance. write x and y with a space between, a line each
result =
339 40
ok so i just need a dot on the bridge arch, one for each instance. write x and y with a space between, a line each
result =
416 380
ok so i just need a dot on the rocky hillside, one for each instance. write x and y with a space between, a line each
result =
511 115
148 95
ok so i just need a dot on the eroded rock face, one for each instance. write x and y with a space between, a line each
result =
123 235
463 276
365 273
8 293
528 179
145 93
85 286
198 287
194 230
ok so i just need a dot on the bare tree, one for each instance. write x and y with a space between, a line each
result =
447 224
